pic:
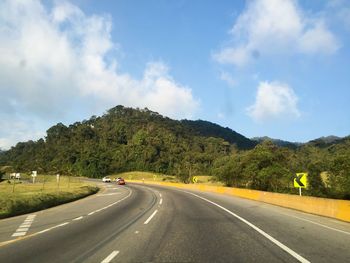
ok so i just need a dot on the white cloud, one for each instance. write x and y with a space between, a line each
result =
274 100
318 40
275 26
228 79
19 129
61 62
339 11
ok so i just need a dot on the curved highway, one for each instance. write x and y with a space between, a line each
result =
145 223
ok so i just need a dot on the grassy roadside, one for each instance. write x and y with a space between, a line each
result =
25 197
147 176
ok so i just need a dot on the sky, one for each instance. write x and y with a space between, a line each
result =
277 68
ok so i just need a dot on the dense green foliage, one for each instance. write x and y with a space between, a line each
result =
208 129
125 139
271 168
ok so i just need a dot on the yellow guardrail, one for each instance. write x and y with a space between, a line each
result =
339 209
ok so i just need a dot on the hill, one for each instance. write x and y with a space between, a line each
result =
126 139
278 142
209 129
324 142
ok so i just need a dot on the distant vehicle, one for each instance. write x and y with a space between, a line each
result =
106 179
120 181
15 176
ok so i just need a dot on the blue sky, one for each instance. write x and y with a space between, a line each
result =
277 68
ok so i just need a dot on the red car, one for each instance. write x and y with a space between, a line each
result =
120 181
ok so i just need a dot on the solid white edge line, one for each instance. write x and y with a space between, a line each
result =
161 201
110 257
273 240
30 219
45 230
150 218
63 224
48 229
312 222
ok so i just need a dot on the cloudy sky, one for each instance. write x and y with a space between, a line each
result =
278 68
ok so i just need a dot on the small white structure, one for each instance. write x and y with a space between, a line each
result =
34 174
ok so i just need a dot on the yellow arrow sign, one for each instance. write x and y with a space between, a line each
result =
300 180
194 179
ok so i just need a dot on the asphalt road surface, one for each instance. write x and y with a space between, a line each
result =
144 223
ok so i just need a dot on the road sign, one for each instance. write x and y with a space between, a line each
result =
300 180
194 179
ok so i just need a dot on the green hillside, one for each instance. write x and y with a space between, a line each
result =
126 139
209 129
123 139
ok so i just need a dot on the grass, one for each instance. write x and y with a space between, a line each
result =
145 175
203 179
20 197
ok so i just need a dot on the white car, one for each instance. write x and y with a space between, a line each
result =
106 179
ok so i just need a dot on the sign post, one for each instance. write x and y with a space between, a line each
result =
34 173
300 181
58 181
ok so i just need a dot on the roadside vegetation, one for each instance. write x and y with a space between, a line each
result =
126 139
23 196
147 176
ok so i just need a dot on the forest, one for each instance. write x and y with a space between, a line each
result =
127 139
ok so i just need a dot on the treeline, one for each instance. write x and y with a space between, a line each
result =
268 167
126 139
123 139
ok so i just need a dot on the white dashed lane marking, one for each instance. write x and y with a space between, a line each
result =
24 227
110 257
108 194
150 218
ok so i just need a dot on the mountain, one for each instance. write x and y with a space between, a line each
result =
323 142
209 129
278 142
125 139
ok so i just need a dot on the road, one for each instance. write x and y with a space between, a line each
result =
144 223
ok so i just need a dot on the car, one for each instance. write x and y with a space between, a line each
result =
106 179
120 181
